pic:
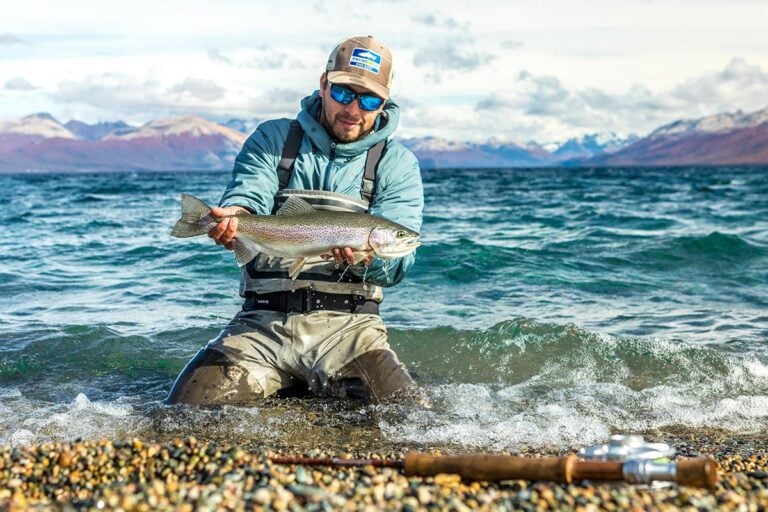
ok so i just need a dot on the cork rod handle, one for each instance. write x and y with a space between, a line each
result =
491 467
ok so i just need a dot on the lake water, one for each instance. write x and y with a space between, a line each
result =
546 307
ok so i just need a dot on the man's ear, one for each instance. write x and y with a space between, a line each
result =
323 80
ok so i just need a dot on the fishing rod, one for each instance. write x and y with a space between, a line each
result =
624 459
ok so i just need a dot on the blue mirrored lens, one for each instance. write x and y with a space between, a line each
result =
342 94
368 102
345 95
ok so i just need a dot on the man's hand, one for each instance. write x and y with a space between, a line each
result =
226 230
345 254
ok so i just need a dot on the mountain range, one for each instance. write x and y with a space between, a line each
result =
39 142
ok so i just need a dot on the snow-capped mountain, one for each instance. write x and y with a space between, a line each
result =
41 142
592 144
188 126
723 122
728 138
434 152
42 126
85 131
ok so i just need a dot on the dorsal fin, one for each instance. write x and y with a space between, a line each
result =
295 206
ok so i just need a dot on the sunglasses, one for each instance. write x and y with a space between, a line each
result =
345 95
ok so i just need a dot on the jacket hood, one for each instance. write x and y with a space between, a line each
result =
310 106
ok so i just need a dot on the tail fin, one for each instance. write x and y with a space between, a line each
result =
195 218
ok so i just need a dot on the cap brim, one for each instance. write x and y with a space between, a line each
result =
342 77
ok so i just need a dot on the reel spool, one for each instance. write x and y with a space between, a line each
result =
643 462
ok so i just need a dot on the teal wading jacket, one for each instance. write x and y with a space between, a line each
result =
324 164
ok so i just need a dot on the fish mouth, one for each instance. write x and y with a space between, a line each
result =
400 250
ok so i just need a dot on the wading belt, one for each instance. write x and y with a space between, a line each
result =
306 300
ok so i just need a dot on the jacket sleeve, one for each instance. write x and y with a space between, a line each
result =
254 180
400 198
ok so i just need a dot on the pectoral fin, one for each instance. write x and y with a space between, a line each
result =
295 268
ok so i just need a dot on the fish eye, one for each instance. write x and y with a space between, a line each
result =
401 234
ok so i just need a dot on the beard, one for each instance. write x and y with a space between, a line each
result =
334 125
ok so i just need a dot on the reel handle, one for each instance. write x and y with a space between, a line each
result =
698 472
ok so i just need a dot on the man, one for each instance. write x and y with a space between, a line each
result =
320 332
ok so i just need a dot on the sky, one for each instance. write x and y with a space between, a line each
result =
519 71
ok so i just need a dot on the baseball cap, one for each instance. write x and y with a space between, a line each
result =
363 61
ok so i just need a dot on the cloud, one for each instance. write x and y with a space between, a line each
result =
446 58
262 57
433 21
549 110
739 85
147 98
217 56
510 44
19 84
9 39
206 90
277 101
534 95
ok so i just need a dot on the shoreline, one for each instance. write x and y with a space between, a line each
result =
195 474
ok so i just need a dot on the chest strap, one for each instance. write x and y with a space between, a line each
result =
291 151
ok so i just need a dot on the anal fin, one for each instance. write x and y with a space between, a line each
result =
296 266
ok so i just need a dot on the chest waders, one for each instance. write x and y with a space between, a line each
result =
322 284
217 375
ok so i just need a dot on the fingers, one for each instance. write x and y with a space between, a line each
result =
337 255
218 212
347 255
225 231
229 232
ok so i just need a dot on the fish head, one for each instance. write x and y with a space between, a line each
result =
389 243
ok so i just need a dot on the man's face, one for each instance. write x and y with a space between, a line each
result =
346 123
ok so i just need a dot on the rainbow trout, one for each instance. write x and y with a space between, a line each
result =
300 231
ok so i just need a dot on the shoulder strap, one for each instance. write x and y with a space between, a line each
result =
368 187
290 152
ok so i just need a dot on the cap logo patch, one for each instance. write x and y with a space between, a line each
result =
365 59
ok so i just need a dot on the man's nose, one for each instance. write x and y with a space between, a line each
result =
353 108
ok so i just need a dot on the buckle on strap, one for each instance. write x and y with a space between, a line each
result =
298 301
305 300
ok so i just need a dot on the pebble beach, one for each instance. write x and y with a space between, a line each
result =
194 474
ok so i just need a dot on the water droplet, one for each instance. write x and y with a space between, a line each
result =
343 273
365 274
385 267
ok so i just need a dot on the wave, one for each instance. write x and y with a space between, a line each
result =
518 383
714 248
510 353
519 350
528 383
594 258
